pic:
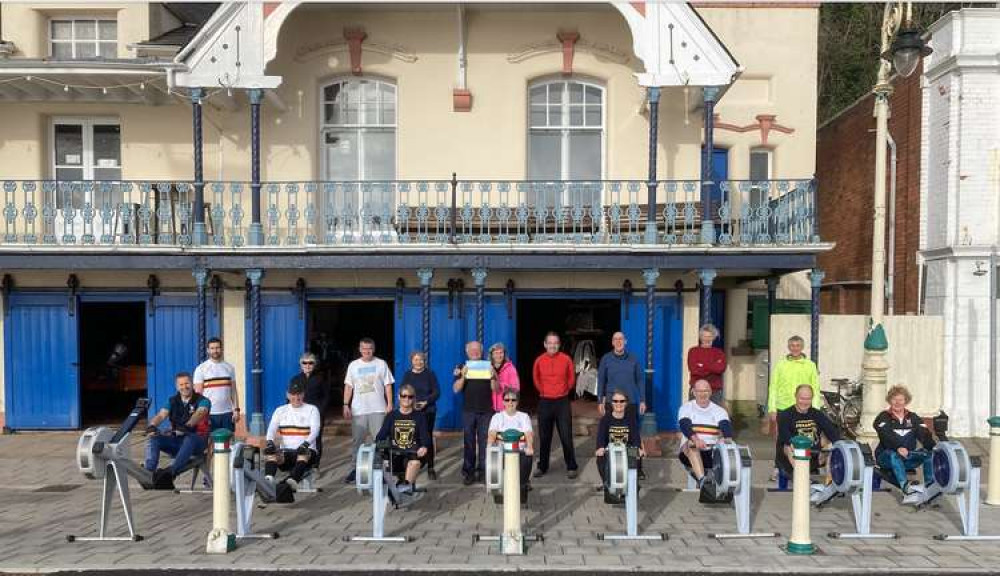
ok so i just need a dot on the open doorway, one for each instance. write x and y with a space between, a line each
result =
336 327
112 359
577 321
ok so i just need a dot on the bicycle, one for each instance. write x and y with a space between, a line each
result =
843 407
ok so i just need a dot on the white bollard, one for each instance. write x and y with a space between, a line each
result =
800 541
221 539
993 480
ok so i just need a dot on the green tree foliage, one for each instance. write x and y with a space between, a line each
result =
849 41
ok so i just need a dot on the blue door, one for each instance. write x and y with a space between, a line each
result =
720 173
172 343
41 369
667 352
448 336
283 340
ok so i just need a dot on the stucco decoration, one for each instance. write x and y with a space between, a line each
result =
600 50
228 51
765 123
312 50
676 46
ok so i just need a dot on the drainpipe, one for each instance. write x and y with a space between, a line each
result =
993 330
890 292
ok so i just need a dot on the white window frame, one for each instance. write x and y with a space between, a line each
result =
757 195
87 123
566 128
73 42
324 127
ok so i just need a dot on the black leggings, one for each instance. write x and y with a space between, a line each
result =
289 460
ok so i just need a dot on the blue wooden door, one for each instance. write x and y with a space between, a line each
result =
667 353
42 363
283 340
172 343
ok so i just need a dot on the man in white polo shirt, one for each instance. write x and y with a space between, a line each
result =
215 379
367 397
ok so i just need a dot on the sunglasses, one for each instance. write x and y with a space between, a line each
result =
617 401
510 399
307 363
406 396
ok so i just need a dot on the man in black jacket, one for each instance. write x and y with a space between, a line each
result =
899 430
801 419
317 393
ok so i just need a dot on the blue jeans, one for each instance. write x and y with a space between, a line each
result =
217 421
475 426
891 460
180 447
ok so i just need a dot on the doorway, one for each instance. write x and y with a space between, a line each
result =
334 330
113 359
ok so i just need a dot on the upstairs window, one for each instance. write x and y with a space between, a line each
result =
761 164
81 38
359 130
566 130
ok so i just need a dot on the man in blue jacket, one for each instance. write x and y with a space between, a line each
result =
620 370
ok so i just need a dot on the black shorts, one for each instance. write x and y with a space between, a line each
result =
398 462
290 457
706 459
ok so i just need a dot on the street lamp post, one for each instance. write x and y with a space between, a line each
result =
902 48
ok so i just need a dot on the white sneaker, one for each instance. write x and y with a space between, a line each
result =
292 484
914 487
818 487
912 498
774 475
270 479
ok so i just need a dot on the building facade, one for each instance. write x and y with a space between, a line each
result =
295 176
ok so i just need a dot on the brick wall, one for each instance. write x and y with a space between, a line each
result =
845 171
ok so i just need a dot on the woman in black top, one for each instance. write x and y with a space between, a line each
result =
425 384
616 426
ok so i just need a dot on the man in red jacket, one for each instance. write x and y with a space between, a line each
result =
705 362
554 379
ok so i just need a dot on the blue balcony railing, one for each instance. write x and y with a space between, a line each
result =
160 213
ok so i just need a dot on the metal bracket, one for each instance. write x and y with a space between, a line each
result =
300 294
451 297
626 295
216 284
460 288
508 293
400 285
153 283
6 286
73 283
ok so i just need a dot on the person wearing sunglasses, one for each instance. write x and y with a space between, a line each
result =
618 426
513 419
317 393
406 431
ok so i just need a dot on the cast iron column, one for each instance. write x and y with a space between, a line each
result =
707 276
425 275
816 276
479 275
257 418
650 275
256 235
200 282
711 94
654 121
199 234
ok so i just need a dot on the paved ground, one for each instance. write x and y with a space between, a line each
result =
43 498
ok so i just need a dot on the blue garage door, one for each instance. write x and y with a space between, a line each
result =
41 370
283 339
172 342
667 352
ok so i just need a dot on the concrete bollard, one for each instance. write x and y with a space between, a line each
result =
512 540
221 539
800 541
993 480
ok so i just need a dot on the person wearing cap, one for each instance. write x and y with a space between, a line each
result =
291 437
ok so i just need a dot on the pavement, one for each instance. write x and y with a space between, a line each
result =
43 498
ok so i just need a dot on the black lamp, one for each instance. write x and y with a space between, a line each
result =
906 51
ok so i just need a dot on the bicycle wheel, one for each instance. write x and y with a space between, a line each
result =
851 419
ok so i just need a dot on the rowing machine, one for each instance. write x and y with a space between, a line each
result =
623 481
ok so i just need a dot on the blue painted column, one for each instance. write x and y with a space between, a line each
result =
707 276
653 93
199 236
479 275
200 283
425 275
649 419
711 95
816 278
256 234
255 275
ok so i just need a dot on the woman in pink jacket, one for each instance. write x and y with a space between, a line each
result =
505 375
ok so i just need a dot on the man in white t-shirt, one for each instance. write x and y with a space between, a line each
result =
511 418
367 397
703 424
215 379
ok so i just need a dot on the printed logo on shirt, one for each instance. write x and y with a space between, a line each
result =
217 383
302 431
404 434
618 434
808 429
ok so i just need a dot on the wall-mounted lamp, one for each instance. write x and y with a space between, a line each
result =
980 269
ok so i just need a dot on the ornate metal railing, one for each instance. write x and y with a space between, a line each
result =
148 213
